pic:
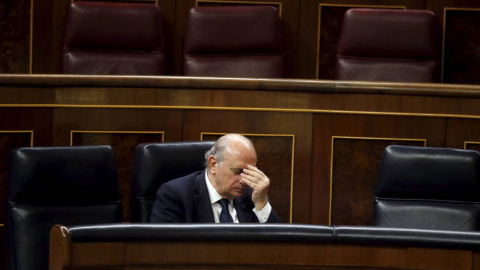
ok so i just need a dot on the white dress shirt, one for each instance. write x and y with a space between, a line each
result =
262 215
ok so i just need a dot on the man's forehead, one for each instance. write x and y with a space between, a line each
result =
242 163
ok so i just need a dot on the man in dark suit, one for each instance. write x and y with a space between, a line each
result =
231 189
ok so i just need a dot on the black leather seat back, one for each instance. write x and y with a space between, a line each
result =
157 163
428 188
56 185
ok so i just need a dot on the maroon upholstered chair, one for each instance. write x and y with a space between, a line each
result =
234 41
114 38
389 45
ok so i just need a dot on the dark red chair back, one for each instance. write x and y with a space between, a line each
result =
389 45
114 38
238 41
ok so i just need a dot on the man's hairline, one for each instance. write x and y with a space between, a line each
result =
229 138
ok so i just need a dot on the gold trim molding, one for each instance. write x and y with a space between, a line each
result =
469 142
165 107
21 131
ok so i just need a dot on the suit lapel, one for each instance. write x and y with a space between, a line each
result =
202 201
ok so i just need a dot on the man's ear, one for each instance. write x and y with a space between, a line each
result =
212 164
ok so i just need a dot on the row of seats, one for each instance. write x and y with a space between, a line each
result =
417 187
246 41
128 39
78 186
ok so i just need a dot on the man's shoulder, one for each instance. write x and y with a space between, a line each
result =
182 181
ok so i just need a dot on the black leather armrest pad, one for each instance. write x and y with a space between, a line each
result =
194 232
407 237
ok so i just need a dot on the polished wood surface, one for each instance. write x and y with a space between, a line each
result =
332 131
261 254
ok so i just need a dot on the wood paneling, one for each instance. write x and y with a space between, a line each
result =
211 253
438 6
461 46
461 131
325 155
123 129
284 114
329 134
36 120
15 36
350 155
94 119
123 143
48 30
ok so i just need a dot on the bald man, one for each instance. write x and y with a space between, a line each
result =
230 190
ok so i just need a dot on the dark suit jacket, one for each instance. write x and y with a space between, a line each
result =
186 200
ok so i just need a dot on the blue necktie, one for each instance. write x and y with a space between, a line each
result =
225 216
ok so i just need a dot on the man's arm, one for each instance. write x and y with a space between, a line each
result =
167 207
273 218
259 182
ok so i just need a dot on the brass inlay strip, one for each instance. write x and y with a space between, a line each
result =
317 69
21 131
115 132
357 138
469 142
162 107
30 61
270 135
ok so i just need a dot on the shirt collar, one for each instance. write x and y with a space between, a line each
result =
212 192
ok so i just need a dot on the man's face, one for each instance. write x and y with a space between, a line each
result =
227 173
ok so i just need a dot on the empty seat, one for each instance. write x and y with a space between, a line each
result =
428 188
114 38
234 41
56 185
157 163
389 45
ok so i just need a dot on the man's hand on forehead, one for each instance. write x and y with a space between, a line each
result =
259 182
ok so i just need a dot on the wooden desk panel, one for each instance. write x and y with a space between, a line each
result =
253 255
314 113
